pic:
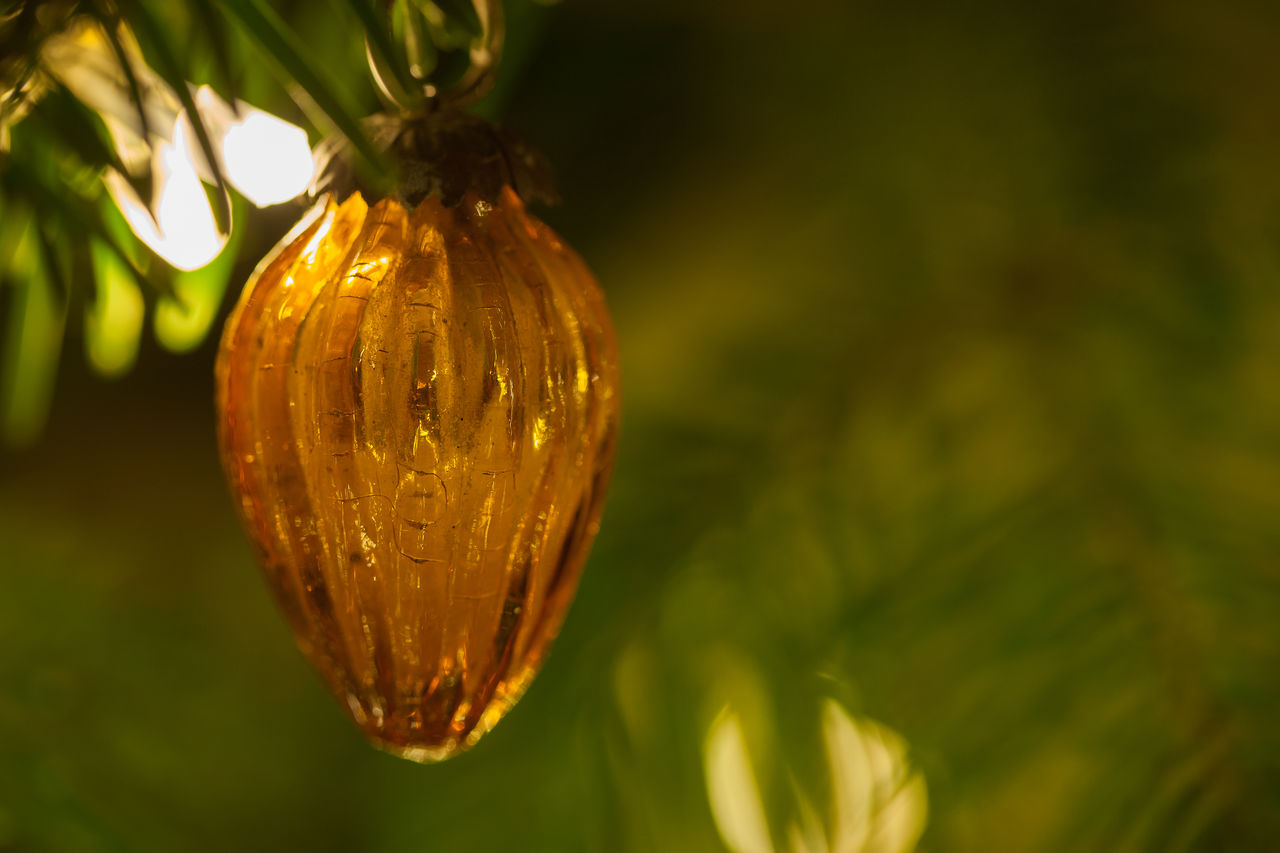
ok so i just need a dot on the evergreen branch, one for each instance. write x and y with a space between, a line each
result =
212 25
110 28
68 121
279 46
76 211
151 34
53 256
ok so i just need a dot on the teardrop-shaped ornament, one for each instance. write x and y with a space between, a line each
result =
418 411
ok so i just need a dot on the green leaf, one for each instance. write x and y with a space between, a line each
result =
73 124
110 29
156 44
32 342
20 42
212 26
113 320
77 213
55 255
182 324
279 46
14 216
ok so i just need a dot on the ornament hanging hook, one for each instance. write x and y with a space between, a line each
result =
396 78
485 54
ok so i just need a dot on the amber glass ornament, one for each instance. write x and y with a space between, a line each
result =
417 414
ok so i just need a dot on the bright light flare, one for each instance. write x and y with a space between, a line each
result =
879 803
263 156
267 159
183 230
732 789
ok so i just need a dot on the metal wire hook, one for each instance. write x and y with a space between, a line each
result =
486 53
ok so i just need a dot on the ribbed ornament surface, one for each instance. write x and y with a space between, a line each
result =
417 414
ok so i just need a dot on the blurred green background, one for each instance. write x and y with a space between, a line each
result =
950 336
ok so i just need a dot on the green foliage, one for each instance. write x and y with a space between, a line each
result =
157 48
280 47
36 319
53 139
